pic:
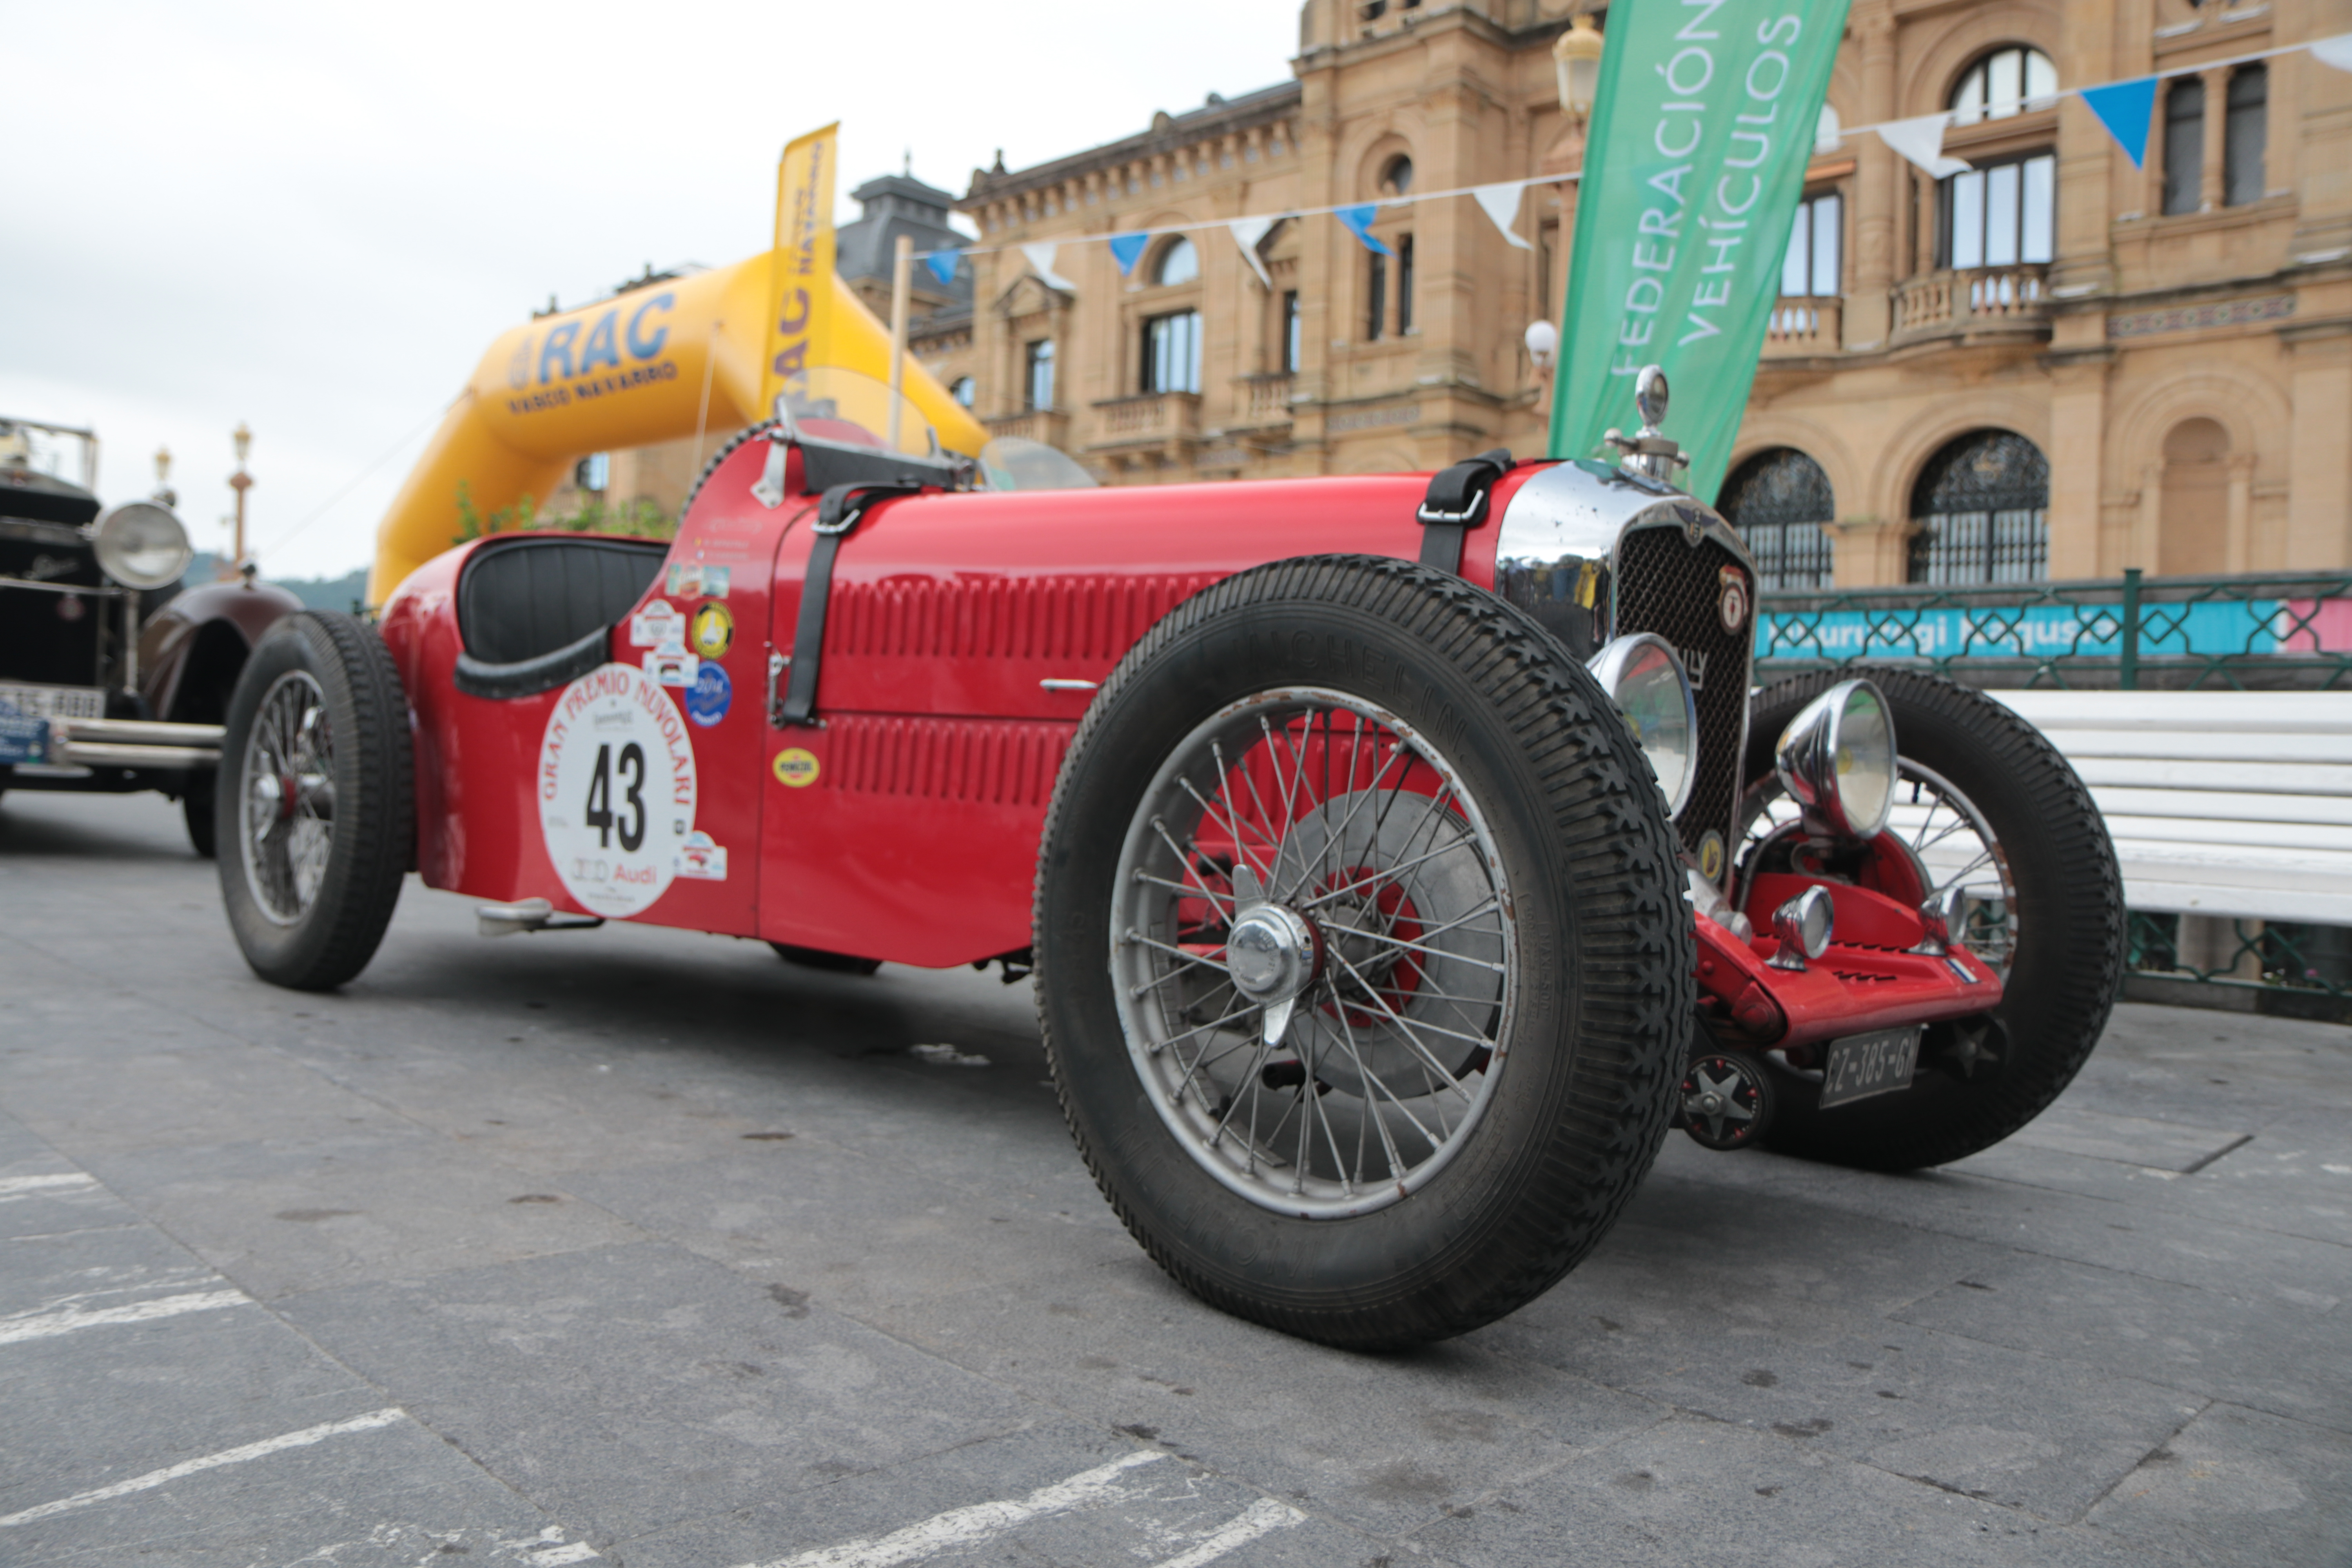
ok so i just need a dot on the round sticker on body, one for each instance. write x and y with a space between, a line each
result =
616 789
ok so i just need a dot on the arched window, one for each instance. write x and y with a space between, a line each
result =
1981 507
2011 80
1179 263
963 389
1397 178
1779 500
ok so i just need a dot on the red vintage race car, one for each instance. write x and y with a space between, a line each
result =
1399 857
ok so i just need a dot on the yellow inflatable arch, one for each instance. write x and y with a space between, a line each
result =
654 364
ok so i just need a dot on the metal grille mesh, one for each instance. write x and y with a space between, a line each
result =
1667 586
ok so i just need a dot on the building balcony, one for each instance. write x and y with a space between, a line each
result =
1801 326
1151 430
1265 399
1049 426
1972 300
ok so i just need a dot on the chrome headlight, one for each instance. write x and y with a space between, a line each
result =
142 546
1644 677
1836 759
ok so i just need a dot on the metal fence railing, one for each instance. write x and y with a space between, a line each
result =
2261 631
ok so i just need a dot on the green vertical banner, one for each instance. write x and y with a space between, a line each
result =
1703 121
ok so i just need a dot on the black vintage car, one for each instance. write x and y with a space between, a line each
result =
112 677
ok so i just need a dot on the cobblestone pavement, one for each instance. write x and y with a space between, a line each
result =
638 1246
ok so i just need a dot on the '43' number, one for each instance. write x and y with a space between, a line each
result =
600 814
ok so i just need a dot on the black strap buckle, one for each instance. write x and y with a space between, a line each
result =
1456 503
838 512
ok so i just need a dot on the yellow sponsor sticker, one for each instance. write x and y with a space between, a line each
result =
795 769
712 631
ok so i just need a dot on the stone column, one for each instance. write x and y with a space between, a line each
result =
2078 417
2238 550
1879 187
2217 114
2319 476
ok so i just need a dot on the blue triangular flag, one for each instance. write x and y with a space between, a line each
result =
1126 249
2123 108
942 264
1360 224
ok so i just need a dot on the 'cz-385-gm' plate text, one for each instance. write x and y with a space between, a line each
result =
1863 1065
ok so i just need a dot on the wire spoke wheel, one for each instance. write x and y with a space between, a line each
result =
1983 803
1950 842
287 794
1347 1083
312 811
1362 965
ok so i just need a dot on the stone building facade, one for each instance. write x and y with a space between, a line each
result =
2056 364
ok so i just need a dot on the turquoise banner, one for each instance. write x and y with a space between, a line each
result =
1702 125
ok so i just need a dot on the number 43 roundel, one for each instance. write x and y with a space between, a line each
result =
616 789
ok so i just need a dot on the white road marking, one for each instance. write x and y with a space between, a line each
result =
302 1439
553 1556
961 1526
42 1325
15 1187
1259 1517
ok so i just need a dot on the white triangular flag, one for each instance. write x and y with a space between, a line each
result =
2336 51
1502 205
1040 261
1921 140
1246 233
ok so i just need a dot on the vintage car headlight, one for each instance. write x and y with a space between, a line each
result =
142 546
1836 759
1645 674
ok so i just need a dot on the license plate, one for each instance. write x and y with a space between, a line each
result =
1863 1065
23 739
54 701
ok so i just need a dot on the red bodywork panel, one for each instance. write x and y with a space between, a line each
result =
908 831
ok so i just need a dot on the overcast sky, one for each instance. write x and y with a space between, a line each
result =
314 217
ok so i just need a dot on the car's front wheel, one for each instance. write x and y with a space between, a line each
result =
1363 966
313 816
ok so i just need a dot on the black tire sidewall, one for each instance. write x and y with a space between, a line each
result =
2065 969
1541 1177
335 938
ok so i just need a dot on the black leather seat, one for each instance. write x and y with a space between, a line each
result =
534 614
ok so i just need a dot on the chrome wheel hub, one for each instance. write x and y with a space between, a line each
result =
1314 953
1271 951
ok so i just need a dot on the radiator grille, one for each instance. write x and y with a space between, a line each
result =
1668 586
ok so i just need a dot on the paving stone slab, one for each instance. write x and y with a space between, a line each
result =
1380 1443
2270 1355
386 1496
1697 1494
282 1219
631 1387
2279 1183
860 1235
2162 1243
2129 1140
2238 1485
1060 1494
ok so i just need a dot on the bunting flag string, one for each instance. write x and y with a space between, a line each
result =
1248 233
2124 107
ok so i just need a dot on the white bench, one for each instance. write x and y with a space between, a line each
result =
2222 803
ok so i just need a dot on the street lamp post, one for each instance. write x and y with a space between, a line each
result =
240 481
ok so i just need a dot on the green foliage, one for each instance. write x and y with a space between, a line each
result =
637 519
